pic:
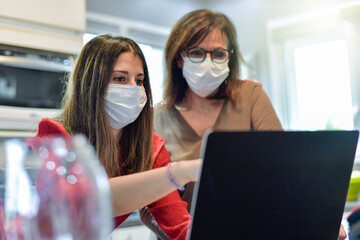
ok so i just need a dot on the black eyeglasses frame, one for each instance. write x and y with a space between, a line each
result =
230 51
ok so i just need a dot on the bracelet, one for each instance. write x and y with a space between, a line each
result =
168 173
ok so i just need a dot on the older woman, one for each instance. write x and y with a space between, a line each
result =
203 90
202 87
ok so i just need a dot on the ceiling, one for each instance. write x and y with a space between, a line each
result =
167 12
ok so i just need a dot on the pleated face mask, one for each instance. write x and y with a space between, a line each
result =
124 103
204 77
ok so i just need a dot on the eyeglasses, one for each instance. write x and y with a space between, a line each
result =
218 55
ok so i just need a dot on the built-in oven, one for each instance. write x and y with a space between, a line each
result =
32 84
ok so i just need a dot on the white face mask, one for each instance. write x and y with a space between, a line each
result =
203 78
123 104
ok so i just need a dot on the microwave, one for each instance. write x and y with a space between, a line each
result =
32 84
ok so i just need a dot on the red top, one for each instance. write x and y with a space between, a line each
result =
169 212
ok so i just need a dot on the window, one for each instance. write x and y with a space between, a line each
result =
314 61
154 61
320 93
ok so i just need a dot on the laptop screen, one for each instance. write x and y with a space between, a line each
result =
272 185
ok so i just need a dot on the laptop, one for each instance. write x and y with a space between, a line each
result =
272 185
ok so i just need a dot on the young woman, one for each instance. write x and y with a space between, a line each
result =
108 99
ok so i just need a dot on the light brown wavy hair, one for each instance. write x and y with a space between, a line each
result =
189 30
83 107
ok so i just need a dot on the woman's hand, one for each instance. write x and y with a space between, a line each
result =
342 233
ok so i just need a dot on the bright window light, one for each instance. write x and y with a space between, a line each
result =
323 86
154 60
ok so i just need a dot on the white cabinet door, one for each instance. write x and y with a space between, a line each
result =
52 25
66 14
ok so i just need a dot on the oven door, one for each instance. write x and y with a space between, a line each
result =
31 82
30 89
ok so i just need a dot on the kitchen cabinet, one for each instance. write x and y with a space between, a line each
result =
65 14
42 24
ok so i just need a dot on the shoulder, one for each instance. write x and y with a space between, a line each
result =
249 84
158 141
160 155
48 127
246 88
163 115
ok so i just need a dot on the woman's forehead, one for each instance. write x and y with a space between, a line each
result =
214 38
128 60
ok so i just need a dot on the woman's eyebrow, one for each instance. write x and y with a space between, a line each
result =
120 71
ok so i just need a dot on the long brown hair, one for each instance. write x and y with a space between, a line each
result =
83 107
189 30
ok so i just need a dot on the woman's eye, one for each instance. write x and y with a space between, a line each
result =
120 79
197 52
139 82
219 53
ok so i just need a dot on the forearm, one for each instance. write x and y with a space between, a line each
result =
137 190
